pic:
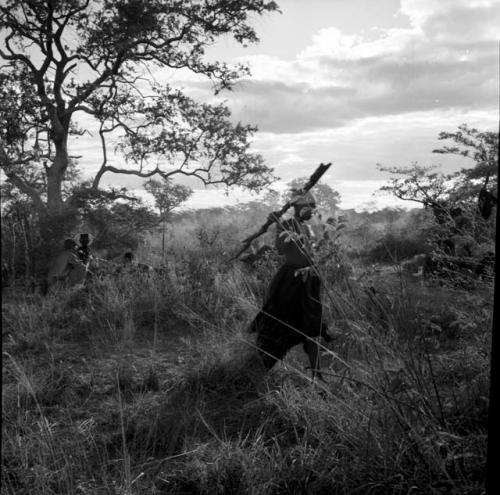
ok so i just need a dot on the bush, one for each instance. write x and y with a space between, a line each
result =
394 246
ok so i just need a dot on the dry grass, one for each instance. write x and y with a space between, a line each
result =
150 385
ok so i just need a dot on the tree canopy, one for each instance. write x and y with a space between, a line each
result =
425 185
96 57
462 203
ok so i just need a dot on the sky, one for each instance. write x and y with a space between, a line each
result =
355 83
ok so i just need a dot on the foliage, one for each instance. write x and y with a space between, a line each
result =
19 240
115 219
394 246
115 225
329 249
23 249
146 384
394 234
167 195
462 204
417 183
18 124
67 57
327 199
482 149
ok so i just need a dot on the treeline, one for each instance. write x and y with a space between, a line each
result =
388 234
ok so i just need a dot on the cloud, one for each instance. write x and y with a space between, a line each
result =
365 194
282 107
333 44
446 60
381 95
215 198
424 12
357 148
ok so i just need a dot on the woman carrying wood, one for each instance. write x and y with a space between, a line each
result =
292 312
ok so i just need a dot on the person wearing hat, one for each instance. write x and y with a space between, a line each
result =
292 312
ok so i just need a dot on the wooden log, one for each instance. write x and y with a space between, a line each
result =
313 180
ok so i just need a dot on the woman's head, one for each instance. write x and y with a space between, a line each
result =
304 204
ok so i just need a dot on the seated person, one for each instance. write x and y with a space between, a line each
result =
66 269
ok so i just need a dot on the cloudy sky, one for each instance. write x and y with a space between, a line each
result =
356 83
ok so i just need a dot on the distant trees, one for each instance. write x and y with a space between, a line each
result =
327 199
115 223
95 57
120 226
167 196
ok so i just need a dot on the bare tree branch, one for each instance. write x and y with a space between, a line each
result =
24 187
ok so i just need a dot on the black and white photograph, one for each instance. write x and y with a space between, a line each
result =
248 246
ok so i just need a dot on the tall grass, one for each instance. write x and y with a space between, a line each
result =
150 384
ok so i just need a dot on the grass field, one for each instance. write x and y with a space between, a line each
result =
149 385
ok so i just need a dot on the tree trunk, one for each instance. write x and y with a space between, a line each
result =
55 176
163 241
27 258
58 220
13 254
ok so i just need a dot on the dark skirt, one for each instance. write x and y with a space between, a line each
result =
291 315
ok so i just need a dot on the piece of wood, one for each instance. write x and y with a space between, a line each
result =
313 180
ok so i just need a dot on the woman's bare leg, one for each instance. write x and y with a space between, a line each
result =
312 349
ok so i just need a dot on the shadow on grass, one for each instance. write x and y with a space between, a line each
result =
219 401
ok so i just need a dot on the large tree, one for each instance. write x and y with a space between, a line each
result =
96 57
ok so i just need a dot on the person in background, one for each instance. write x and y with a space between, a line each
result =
83 250
66 269
131 265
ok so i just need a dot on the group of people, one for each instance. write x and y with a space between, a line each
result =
71 267
292 312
